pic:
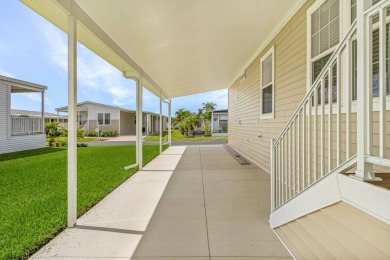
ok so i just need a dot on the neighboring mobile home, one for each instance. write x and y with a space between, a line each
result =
19 132
308 98
219 121
49 117
93 116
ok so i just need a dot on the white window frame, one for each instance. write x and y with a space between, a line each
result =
344 24
104 119
271 115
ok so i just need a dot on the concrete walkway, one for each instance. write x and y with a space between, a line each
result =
188 203
212 208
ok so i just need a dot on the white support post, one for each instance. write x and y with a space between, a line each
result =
170 122
272 174
348 102
139 121
289 151
382 83
298 165
279 164
309 145
294 155
330 119
283 173
161 122
322 92
72 117
364 88
315 147
338 119
304 151
43 111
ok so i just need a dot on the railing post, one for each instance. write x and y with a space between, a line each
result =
363 169
273 181
382 82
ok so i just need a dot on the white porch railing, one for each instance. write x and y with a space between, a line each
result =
317 138
26 125
377 21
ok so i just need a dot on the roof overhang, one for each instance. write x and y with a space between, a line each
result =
20 86
182 47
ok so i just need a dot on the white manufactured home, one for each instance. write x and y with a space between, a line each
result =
19 132
93 116
308 100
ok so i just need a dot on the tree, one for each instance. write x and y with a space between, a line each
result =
186 121
207 109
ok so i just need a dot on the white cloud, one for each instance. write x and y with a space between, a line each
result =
34 97
218 97
6 73
93 72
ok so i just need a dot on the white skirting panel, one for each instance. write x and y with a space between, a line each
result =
22 142
324 193
332 189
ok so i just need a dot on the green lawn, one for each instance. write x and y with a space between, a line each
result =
33 191
177 136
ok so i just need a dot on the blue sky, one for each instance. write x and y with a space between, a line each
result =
34 50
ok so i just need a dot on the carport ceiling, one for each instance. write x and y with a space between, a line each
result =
186 46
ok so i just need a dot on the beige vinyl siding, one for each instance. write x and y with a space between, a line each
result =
127 123
247 132
114 125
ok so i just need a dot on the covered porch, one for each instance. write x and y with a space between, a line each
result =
20 132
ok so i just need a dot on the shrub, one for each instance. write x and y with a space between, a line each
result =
52 129
82 145
80 133
108 133
224 128
91 133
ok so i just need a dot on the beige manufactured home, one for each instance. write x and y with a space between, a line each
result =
93 116
308 99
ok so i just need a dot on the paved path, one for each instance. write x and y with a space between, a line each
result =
212 208
188 203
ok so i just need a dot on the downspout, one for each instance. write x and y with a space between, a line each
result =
138 143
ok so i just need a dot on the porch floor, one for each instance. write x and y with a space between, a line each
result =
209 207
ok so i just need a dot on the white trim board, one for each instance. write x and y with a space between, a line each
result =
332 189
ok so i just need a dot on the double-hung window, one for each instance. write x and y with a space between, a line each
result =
267 85
104 118
324 34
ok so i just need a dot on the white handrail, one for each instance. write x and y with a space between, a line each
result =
319 78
